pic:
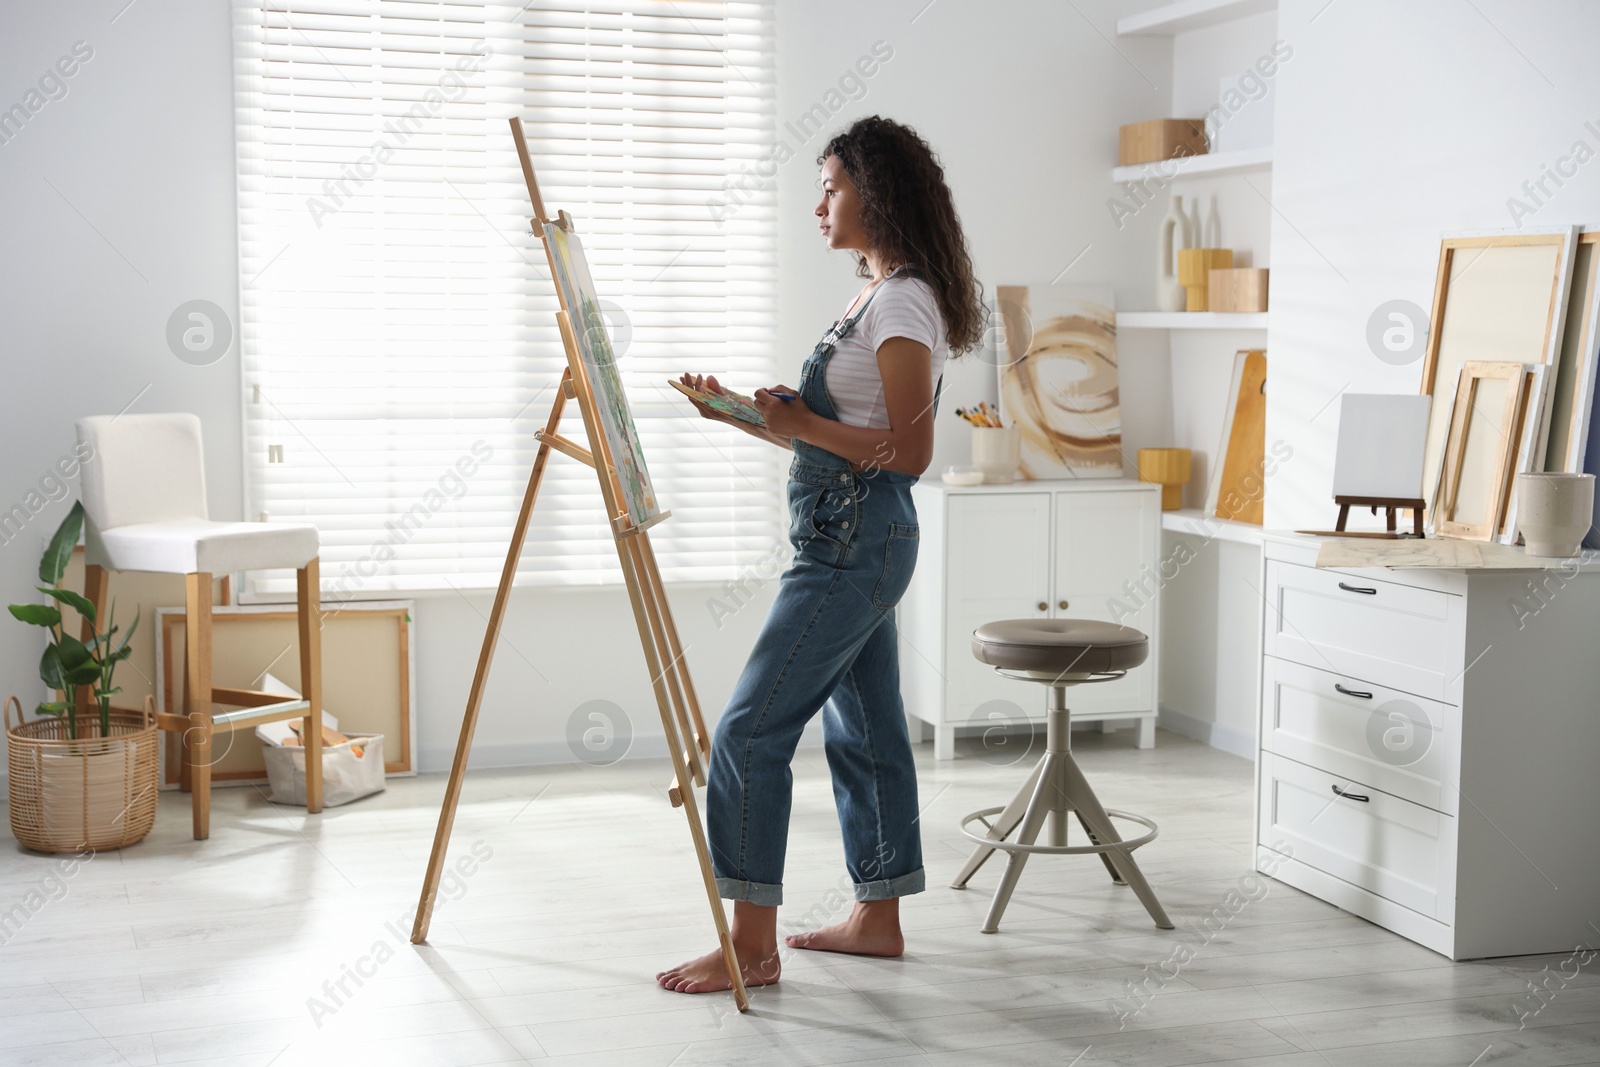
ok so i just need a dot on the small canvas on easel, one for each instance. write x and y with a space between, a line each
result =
616 418
1058 380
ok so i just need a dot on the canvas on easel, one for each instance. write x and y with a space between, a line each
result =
579 297
593 382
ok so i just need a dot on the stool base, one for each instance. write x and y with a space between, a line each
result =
1057 786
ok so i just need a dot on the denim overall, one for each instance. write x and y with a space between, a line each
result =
829 642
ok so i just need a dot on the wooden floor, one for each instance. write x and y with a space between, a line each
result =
231 951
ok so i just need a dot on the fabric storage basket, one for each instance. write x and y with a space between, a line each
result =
90 793
345 775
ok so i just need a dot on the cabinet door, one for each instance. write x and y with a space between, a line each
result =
1106 568
997 566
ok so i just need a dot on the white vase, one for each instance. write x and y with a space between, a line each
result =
1213 229
997 452
1174 235
1553 511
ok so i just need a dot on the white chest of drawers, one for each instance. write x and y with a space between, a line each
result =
1035 549
1429 748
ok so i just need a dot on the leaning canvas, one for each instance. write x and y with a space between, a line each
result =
594 343
1058 380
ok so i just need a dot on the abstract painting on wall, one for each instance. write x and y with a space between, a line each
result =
1058 379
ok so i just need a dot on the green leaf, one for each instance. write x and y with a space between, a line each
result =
50 668
73 653
129 635
78 601
54 707
37 614
54 563
83 675
120 654
110 692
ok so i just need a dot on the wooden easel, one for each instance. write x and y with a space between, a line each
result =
687 740
1390 504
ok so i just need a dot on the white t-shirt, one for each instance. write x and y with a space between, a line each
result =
902 306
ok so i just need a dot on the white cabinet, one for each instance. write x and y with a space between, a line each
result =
1427 747
1074 549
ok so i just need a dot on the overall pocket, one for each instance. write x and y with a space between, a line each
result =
899 560
833 515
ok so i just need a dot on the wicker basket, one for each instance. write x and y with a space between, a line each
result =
90 793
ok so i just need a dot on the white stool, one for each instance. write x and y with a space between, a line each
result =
1058 653
144 494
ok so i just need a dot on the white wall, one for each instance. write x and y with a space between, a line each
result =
1397 123
119 207
141 219
1022 102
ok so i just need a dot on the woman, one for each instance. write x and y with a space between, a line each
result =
861 427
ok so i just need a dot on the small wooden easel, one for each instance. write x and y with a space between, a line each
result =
687 740
1390 504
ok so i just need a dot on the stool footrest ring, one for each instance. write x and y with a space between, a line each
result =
1061 850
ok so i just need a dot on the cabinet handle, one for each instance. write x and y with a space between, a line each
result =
1358 589
1043 606
1352 692
1349 796
1062 605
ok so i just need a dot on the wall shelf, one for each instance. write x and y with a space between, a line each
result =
1175 18
1210 164
1191 320
1193 521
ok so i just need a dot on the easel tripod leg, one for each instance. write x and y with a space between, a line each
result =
480 678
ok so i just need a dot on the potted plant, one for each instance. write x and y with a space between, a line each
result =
82 774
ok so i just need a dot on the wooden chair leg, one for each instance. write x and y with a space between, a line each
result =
197 685
308 598
185 758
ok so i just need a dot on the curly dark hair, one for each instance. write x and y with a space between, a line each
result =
910 217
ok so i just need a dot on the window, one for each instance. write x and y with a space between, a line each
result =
399 341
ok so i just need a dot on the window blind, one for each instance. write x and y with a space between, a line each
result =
398 340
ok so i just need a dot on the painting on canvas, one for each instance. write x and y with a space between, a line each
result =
1058 380
594 343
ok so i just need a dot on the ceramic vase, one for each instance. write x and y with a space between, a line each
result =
1553 511
1174 237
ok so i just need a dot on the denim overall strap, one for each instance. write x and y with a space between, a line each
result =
813 390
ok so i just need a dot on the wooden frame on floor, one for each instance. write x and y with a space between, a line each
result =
389 697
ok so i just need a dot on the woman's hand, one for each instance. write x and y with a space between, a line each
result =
708 385
785 418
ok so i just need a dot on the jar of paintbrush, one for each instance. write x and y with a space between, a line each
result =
996 447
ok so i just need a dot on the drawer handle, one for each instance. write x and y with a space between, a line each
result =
1358 589
1352 692
1349 796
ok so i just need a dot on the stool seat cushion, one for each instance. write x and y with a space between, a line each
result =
1066 646
185 546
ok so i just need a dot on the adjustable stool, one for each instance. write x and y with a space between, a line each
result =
1058 653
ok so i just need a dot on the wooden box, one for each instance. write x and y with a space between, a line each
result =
1237 289
1158 139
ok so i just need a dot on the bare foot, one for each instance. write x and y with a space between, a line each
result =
873 929
708 973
